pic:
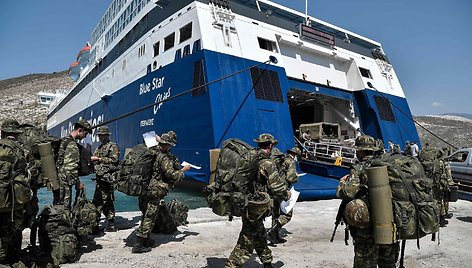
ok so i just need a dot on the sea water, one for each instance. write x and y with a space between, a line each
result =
192 198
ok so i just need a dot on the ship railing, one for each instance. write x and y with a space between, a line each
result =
331 152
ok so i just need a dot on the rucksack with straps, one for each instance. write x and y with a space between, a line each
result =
415 210
434 168
170 216
136 171
233 187
15 190
85 162
85 215
57 235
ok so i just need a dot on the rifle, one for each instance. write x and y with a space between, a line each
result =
339 219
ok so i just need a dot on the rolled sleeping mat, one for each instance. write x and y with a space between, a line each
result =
381 205
48 164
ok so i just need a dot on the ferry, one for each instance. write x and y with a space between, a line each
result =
217 69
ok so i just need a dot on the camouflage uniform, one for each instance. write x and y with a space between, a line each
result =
29 139
437 170
450 182
165 174
108 155
252 235
366 252
12 219
287 169
68 166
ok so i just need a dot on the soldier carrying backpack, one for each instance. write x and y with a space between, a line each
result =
165 173
258 179
436 169
407 201
15 191
69 164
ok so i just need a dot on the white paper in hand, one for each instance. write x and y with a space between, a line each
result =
287 206
192 166
150 139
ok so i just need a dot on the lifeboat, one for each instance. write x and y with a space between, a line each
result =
74 70
84 56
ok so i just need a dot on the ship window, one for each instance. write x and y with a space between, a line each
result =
385 108
266 85
198 79
156 49
267 44
365 72
169 41
185 33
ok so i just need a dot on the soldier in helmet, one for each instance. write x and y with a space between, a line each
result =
68 163
14 167
267 182
353 189
286 165
165 174
106 158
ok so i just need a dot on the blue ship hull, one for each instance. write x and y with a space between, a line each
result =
204 118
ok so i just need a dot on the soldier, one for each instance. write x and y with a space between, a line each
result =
286 165
13 163
68 163
354 186
450 182
268 180
106 158
407 150
165 175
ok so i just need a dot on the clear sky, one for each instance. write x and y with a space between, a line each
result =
429 42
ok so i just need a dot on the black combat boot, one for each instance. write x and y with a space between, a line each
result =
268 265
279 239
139 246
111 226
271 237
442 221
149 242
448 215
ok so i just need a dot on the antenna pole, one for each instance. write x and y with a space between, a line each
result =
306 11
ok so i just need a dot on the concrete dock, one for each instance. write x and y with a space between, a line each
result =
208 240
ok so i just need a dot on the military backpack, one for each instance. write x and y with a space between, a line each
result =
15 191
434 168
57 235
85 215
85 163
136 171
170 216
233 187
415 210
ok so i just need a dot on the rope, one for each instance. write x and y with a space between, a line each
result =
180 94
411 118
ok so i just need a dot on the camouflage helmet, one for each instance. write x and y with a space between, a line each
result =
295 151
166 139
366 143
84 124
266 138
103 130
11 126
357 214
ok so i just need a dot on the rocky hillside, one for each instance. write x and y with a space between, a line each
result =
19 102
19 95
456 130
